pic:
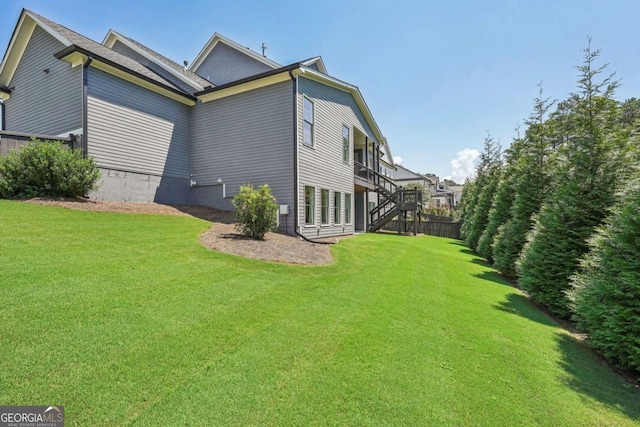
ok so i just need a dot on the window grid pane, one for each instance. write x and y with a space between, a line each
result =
309 205
307 114
324 206
347 208
337 202
345 144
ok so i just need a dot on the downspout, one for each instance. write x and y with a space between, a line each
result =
296 190
2 115
85 108
294 79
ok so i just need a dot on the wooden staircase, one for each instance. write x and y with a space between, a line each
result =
405 204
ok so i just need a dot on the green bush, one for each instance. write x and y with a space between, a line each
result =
606 292
256 211
46 168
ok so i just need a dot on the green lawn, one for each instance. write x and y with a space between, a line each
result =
126 320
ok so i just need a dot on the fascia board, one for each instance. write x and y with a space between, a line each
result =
77 57
244 87
18 44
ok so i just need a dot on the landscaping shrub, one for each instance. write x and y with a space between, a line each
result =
46 168
606 292
256 211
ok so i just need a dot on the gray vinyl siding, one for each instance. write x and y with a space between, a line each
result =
133 129
322 166
127 51
45 103
225 64
246 137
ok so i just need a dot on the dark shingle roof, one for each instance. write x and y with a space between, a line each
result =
177 67
104 52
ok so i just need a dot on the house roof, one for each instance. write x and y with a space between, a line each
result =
409 171
219 38
192 79
315 60
77 49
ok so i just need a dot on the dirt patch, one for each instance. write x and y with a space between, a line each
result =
222 235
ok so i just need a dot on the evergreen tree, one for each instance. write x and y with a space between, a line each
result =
606 292
488 177
500 210
590 165
463 212
530 187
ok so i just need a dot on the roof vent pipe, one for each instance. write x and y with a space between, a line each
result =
186 65
264 49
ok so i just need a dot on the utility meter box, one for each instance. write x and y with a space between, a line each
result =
284 209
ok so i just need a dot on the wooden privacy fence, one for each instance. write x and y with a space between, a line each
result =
10 140
433 228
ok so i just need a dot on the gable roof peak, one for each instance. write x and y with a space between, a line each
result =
219 38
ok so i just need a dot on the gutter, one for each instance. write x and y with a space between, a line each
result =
74 48
85 106
288 68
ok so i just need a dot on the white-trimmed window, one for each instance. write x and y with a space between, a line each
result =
337 207
324 206
309 205
345 144
347 208
308 116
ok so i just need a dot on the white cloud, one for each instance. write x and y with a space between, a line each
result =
397 160
464 165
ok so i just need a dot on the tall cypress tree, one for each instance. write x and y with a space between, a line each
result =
487 179
589 167
530 187
606 292
500 210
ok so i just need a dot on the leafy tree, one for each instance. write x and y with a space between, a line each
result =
46 168
606 292
530 187
590 164
256 211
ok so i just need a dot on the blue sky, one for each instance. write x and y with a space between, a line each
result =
436 75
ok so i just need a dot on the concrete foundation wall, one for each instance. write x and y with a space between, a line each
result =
137 187
211 196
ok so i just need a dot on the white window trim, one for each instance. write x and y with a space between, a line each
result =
349 149
350 222
313 125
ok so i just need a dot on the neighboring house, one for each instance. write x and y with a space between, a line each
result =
404 176
457 193
442 196
165 132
